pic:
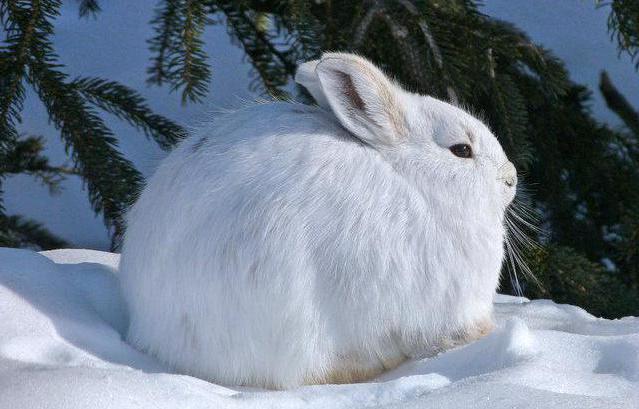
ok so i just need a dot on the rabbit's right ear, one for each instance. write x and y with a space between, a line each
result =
364 100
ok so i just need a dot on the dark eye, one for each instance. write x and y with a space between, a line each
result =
462 150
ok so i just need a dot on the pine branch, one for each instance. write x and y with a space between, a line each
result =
623 26
364 24
180 59
2 176
432 45
570 277
303 33
628 248
195 72
22 22
130 106
275 36
618 103
89 8
15 231
26 157
112 181
510 117
165 43
629 142
540 64
274 67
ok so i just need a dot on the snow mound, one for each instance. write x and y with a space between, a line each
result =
61 346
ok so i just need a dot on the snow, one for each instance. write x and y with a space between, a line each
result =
62 319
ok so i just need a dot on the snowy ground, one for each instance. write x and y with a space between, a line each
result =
61 320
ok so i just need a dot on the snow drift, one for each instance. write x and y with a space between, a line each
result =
62 319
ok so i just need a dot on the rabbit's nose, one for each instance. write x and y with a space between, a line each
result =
509 174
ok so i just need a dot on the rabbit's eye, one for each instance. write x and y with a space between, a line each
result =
462 150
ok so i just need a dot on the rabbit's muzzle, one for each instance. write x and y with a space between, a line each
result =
508 174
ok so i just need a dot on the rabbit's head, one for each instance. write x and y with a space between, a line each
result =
448 155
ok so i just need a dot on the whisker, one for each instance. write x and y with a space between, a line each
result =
512 270
521 221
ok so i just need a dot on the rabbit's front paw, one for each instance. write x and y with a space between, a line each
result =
353 370
480 329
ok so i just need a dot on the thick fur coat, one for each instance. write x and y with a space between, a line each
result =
287 244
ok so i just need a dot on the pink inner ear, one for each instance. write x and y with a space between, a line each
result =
350 91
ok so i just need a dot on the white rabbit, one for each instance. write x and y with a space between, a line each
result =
288 244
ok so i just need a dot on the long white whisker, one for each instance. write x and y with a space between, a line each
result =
521 221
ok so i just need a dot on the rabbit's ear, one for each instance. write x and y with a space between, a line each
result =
306 77
364 100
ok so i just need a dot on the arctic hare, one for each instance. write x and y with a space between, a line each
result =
287 244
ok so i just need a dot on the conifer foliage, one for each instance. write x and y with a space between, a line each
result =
28 58
581 175
623 23
576 221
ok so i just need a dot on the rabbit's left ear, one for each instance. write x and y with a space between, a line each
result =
306 77
364 100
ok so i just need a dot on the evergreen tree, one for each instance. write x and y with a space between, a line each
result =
627 241
27 57
623 24
581 189
581 176
25 156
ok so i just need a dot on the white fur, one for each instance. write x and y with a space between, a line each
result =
286 244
